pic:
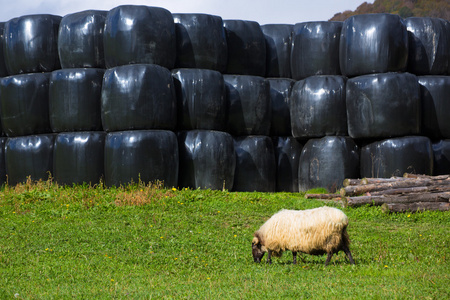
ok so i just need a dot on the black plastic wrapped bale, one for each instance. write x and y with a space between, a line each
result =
317 106
141 155
280 89
138 97
383 105
278 49
255 164
315 49
207 160
80 40
429 45
3 69
246 48
249 111
435 92
326 162
2 160
441 154
373 43
137 34
287 157
30 44
78 157
29 156
201 99
396 156
74 99
24 104
201 42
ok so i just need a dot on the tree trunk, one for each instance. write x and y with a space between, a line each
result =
413 207
406 198
366 188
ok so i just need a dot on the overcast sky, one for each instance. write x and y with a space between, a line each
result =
262 11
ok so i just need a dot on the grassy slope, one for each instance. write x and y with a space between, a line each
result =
152 243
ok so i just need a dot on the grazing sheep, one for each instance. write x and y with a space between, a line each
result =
313 231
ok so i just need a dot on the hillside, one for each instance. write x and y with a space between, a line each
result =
404 8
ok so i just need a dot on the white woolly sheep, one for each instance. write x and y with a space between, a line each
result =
313 231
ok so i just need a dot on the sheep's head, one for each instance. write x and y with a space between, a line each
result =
257 250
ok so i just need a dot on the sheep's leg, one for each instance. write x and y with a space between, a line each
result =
349 255
329 255
269 257
294 254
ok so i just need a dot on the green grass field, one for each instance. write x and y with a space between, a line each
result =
142 242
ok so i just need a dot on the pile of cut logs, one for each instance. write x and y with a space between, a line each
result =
409 193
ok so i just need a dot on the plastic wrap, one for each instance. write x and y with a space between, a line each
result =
278 49
3 69
429 45
287 157
30 44
138 97
315 49
80 40
29 156
250 109
441 155
201 99
74 99
137 34
141 155
317 107
207 160
2 160
373 43
383 105
255 164
394 157
201 42
435 92
326 162
280 89
246 48
24 104
78 157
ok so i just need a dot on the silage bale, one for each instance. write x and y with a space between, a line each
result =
80 39
138 34
326 162
30 44
78 157
201 99
373 43
315 49
278 49
383 105
29 156
396 156
246 48
74 99
317 107
207 159
140 96
24 104
201 42
141 156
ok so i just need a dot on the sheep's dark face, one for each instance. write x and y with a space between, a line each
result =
257 252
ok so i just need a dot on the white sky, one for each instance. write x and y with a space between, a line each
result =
262 11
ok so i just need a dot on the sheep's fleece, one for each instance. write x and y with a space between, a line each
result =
314 231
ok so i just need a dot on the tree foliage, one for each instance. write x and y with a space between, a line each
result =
403 8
